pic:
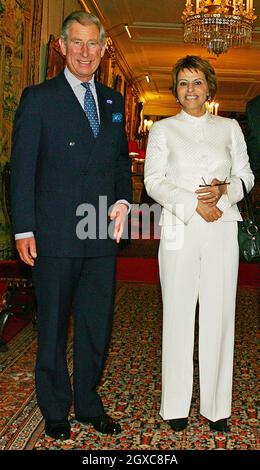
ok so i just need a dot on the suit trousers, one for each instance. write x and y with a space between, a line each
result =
198 263
86 286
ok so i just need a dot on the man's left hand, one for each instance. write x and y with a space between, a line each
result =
118 214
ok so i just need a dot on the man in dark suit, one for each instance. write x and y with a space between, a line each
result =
69 160
253 137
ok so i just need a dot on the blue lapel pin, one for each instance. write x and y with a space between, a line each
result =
117 117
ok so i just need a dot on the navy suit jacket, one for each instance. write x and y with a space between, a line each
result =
57 165
253 137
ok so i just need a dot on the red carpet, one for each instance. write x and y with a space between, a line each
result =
146 270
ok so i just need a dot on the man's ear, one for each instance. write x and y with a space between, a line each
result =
62 46
103 48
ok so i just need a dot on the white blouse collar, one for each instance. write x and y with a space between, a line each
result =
194 119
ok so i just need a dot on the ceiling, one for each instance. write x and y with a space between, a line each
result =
157 43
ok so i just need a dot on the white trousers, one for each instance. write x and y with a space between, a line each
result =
204 268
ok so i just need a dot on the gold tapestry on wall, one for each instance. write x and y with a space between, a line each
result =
20 34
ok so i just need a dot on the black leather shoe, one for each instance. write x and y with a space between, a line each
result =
104 424
178 424
58 429
220 425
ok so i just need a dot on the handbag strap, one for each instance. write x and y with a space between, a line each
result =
249 209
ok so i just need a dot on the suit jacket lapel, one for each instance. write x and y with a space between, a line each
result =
73 112
104 111
78 122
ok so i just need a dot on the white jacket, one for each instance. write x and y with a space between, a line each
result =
182 150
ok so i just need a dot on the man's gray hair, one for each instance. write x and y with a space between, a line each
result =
83 18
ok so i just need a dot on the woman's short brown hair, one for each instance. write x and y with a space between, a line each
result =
195 62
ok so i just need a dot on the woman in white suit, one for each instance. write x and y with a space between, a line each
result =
194 163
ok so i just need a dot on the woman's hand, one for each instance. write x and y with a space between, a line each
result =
210 195
210 214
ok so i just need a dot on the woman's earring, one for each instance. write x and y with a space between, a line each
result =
177 100
208 98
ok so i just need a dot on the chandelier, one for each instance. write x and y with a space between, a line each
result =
218 24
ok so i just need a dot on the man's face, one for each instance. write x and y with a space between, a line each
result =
82 50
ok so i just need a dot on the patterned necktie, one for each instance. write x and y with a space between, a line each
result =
91 109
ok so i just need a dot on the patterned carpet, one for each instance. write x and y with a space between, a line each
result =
131 385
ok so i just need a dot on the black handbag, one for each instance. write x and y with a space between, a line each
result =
248 232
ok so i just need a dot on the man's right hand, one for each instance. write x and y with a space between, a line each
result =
210 214
26 248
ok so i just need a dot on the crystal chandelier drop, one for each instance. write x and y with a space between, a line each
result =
218 24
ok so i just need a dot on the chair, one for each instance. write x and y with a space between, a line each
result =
10 252
133 148
55 59
138 176
5 192
16 291
142 154
16 300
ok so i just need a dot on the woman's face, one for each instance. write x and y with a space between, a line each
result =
192 91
